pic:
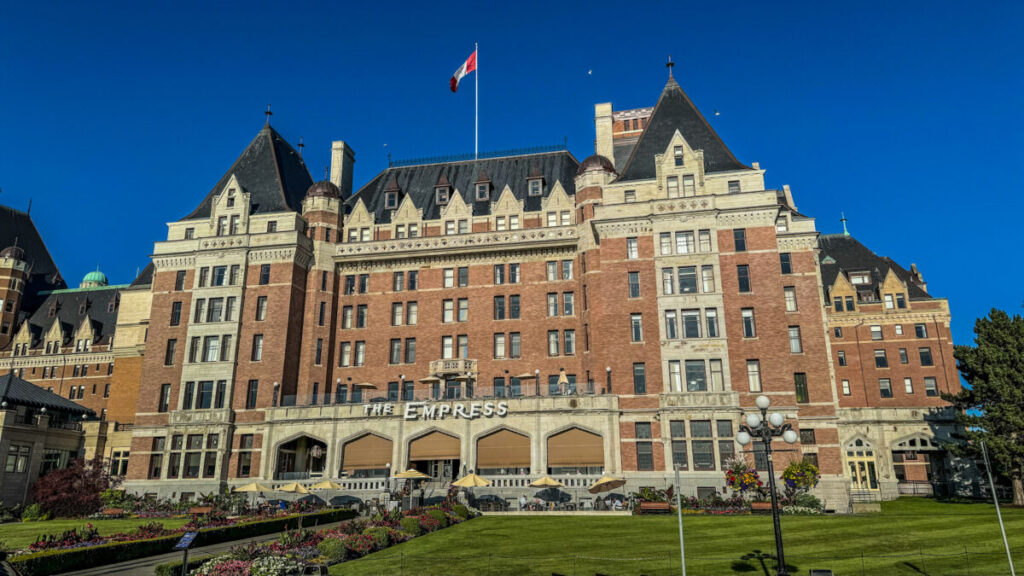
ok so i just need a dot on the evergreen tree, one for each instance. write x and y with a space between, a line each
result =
992 407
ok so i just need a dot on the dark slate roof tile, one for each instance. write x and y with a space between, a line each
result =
145 278
849 255
420 181
17 226
16 391
69 311
271 171
675 111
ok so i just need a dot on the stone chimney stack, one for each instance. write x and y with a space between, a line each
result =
603 126
342 160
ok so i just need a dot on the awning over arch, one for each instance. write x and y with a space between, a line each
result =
575 447
503 449
435 446
367 452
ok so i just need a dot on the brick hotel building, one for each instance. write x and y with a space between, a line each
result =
517 316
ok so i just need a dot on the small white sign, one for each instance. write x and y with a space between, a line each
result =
439 411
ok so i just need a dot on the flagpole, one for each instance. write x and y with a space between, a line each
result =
476 104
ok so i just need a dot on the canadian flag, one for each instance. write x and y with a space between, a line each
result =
468 66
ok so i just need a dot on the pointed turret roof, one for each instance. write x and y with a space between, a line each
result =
675 111
270 170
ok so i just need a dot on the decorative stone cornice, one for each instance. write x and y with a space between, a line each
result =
729 400
622 228
529 238
798 243
174 262
751 217
224 242
907 316
43 360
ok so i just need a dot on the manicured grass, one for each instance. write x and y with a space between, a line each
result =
909 537
18 535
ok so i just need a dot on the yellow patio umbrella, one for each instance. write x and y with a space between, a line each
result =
294 488
253 487
430 380
327 485
546 482
605 484
364 385
411 473
471 481
526 376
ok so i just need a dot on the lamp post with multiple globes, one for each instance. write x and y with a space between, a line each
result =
764 427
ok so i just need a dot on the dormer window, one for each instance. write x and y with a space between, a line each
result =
391 200
231 197
272 226
677 154
734 186
81 308
441 195
190 233
858 278
673 186
52 311
536 186
483 191
222 226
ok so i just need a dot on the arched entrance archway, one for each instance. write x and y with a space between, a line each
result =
860 460
367 456
575 451
503 452
301 458
436 454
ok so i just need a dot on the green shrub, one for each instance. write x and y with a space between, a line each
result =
461 511
411 526
379 535
34 513
332 548
439 515
56 561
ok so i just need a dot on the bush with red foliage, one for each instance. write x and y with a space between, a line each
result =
73 491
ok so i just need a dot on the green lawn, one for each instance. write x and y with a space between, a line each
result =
909 537
18 535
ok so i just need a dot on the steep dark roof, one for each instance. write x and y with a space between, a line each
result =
420 181
840 253
145 278
16 225
271 171
675 111
69 312
16 391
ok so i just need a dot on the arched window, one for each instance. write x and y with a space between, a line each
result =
860 460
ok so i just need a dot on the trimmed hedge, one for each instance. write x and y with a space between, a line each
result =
56 561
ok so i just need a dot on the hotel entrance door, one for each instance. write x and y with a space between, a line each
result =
442 470
437 454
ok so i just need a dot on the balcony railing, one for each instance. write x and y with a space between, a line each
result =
453 366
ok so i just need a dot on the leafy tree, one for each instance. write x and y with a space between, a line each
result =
992 407
73 491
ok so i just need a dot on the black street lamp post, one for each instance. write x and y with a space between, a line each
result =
766 426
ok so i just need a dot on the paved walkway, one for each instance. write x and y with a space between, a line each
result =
146 566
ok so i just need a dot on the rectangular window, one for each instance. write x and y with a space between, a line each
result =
410 350
665 243
838 332
499 346
675 376
711 317
739 238
841 357
204 277
889 302
397 313
398 281
175 313
569 342
707 274
684 243
672 185
790 295
552 219
881 361
785 260
633 280
885 388
926 356
514 345
411 313
179 281
169 352
552 271
899 329
749 330
689 189
252 394
463 277
644 456
901 301
677 155
257 347
903 356
754 375
876 332
499 274
629 196
908 385
447 347
743 277
632 250
513 307
837 305
552 304
696 377
846 388
211 349
921 330
499 307
163 404
703 455
636 327
513 273
552 342
566 269
395 357
463 309
704 240
345 357
687 279
671 332
668 281
447 311
639 378
679 455
795 345
691 323
360 358
734 186
930 387
264 274
800 386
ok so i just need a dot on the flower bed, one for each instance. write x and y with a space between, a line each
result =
84 548
298 548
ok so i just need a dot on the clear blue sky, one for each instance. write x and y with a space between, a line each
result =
117 118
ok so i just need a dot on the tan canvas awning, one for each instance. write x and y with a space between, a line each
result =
365 453
575 447
435 446
503 449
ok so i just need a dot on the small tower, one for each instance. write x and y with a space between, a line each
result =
594 173
94 279
322 210
13 275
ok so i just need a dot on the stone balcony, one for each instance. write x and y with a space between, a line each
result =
458 366
459 243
